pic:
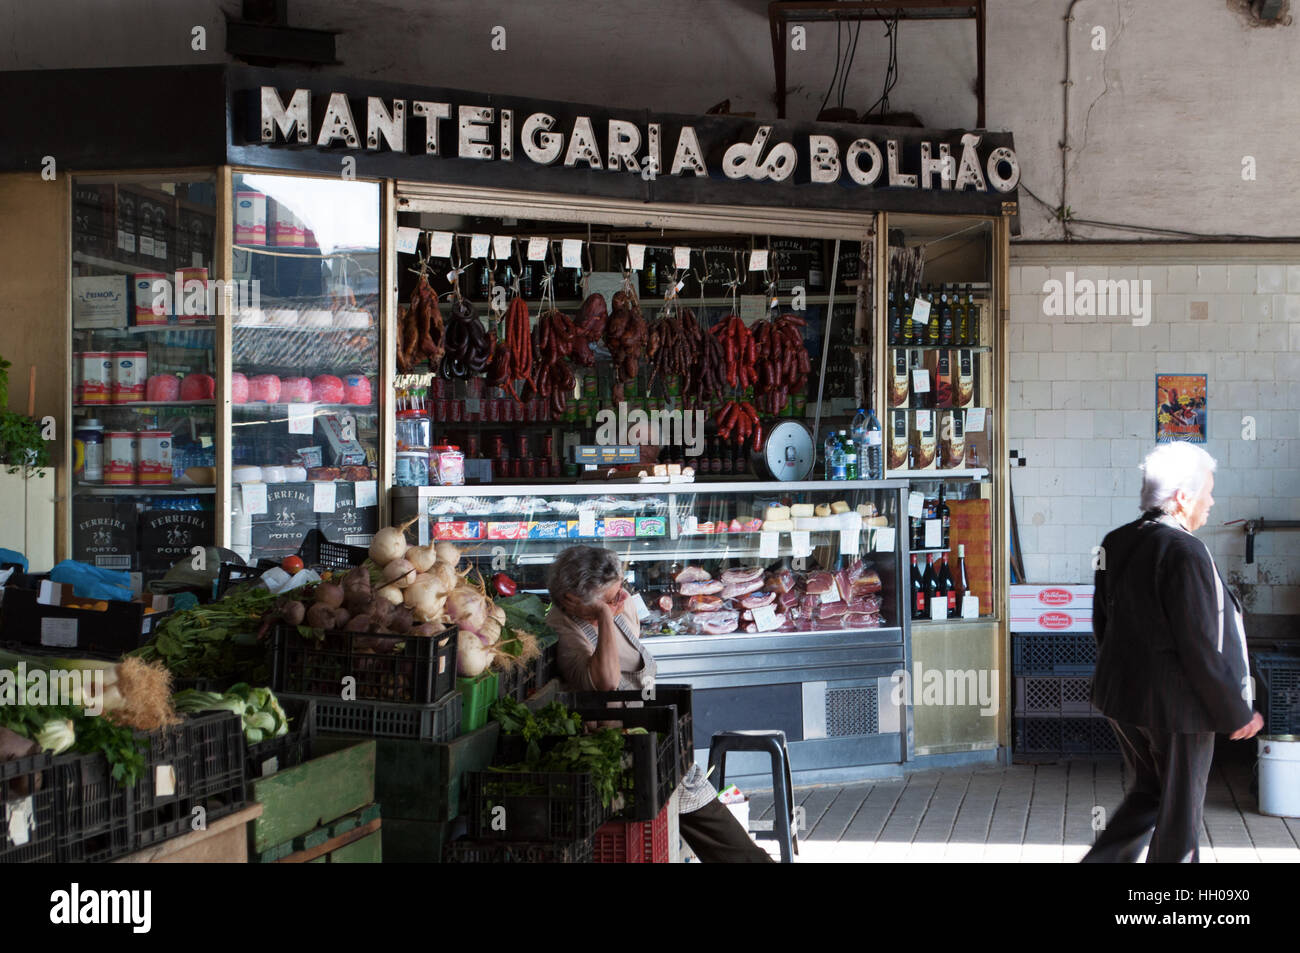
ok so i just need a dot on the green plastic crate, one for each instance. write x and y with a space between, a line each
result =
477 696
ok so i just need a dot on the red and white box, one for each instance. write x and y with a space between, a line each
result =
250 218
1048 608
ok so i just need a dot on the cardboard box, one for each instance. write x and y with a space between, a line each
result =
450 528
289 517
923 441
1049 608
195 233
99 302
952 439
105 534
168 536
339 451
899 438
964 391
156 221
619 526
651 526
92 220
349 524
548 529
899 381
512 529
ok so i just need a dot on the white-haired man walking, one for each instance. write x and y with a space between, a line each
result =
1171 660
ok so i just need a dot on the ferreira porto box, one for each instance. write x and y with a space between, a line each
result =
289 516
899 386
169 536
105 533
898 440
349 524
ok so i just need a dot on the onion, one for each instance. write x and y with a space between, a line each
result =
423 558
448 553
389 543
467 607
399 573
391 594
472 656
425 600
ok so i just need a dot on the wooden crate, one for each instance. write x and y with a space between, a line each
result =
340 836
224 842
299 800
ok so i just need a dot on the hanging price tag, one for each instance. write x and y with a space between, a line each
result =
753 308
473 405
970 607
916 504
691 525
501 245
586 522
769 544
164 780
571 252
923 420
933 534
440 244
479 245
642 611
536 249
301 418
921 381
938 609
801 542
921 311
758 259
367 493
254 495
849 541
407 239
636 257
884 539
20 820
765 618
681 256
975 420
323 497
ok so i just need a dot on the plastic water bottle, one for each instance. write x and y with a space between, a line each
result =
830 451
841 461
875 449
858 431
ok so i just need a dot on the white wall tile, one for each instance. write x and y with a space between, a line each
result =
1066 395
1244 395
1139 424
1211 336
1141 364
1272 453
1271 279
1212 278
1272 338
1037 568
1244 455
1067 338
1271 393
1124 452
1066 511
1095 394
1078 424
1154 337
1037 337
1123 338
1025 309
1225 307
1241 278
1293 395
1079 540
1257 308
1229 366
1110 366
1015 338
1023 367
1024 482
1051 366
1051 481
1182 278
1051 539
1013 279
1172 308
1080 481
1108 424
1035 395
1033 276
1040 452
1290 308
1020 424
1158 275
1083 366
1293 278
1258 483
1243 337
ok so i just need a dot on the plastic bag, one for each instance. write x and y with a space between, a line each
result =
92 582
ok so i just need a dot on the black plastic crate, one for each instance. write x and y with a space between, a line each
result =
517 682
1054 695
233 574
121 628
162 800
316 550
656 765
538 806
289 750
1045 737
415 670
28 811
215 742
676 694
437 722
1053 653
96 813
1279 691
506 852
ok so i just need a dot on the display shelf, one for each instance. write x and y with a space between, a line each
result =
164 489
147 403
688 637
612 487
109 264
940 347
369 329
935 623
923 476
283 406
151 328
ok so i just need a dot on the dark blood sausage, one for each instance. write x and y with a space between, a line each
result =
707 588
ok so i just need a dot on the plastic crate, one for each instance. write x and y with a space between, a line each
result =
504 852
288 750
678 695
196 764
386 668
478 694
538 806
230 575
1279 691
1055 738
215 742
96 814
633 842
28 811
655 762
1054 695
517 682
121 628
1060 653
440 721
316 550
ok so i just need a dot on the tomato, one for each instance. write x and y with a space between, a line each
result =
504 585
291 564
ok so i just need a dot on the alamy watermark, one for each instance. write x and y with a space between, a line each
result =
946 687
204 296
1117 298
59 687
659 428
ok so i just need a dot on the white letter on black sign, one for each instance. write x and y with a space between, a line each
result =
338 123
432 113
274 114
825 158
582 146
544 148
380 123
996 158
907 181
872 172
688 154
624 141
969 173
473 132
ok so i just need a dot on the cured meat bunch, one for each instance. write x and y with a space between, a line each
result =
512 359
740 351
783 363
709 371
741 582
738 420
468 347
626 335
420 329
672 346
555 337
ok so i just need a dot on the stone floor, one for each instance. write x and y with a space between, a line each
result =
1018 814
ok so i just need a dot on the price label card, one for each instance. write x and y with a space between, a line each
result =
367 492
691 526
323 497
921 380
537 249
681 256
769 544
938 609
642 610
758 259
830 595
850 539
586 522
765 618
254 495
916 504
885 539
975 420
407 239
440 244
970 607
270 766
146 245
479 245
636 257
196 259
20 820
51 593
923 420
921 311
501 246
801 542
753 308
933 534
301 418
160 249
571 252
164 780
59 633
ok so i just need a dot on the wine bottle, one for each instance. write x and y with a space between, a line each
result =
960 584
949 588
895 322
943 514
942 585
928 583
918 592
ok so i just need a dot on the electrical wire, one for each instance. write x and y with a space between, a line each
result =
853 53
836 74
891 69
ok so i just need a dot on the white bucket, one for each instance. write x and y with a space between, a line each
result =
1279 775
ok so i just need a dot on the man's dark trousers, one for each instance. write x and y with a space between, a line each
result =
1169 774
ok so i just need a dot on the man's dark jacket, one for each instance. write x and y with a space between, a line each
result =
1169 657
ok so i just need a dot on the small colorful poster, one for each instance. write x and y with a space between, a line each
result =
1181 407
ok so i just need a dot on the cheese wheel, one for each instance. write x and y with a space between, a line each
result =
823 510
778 526
776 513
802 509
839 506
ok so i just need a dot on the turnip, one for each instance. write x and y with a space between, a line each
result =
444 576
425 600
293 612
423 558
399 573
390 543
472 656
448 553
341 618
390 594
359 623
425 631
467 607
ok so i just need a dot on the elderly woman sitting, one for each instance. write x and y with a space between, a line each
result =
600 647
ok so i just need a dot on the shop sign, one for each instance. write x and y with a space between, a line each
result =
538 136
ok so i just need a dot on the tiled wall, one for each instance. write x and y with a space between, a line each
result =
1081 410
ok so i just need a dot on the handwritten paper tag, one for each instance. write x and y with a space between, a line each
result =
933 534
440 244
801 542
571 252
254 498
849 541
367 492
479 245
915 504
301 418
884 539
586 522
975 420
938 609
407 239
765 618
323 497
642 611
970 607
758 259
501 245
635 257
768 544
921 311
921 381
536 249
681 256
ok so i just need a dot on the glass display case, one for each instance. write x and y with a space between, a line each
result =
144 367
304 383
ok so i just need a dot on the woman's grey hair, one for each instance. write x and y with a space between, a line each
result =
583 571
1171 467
